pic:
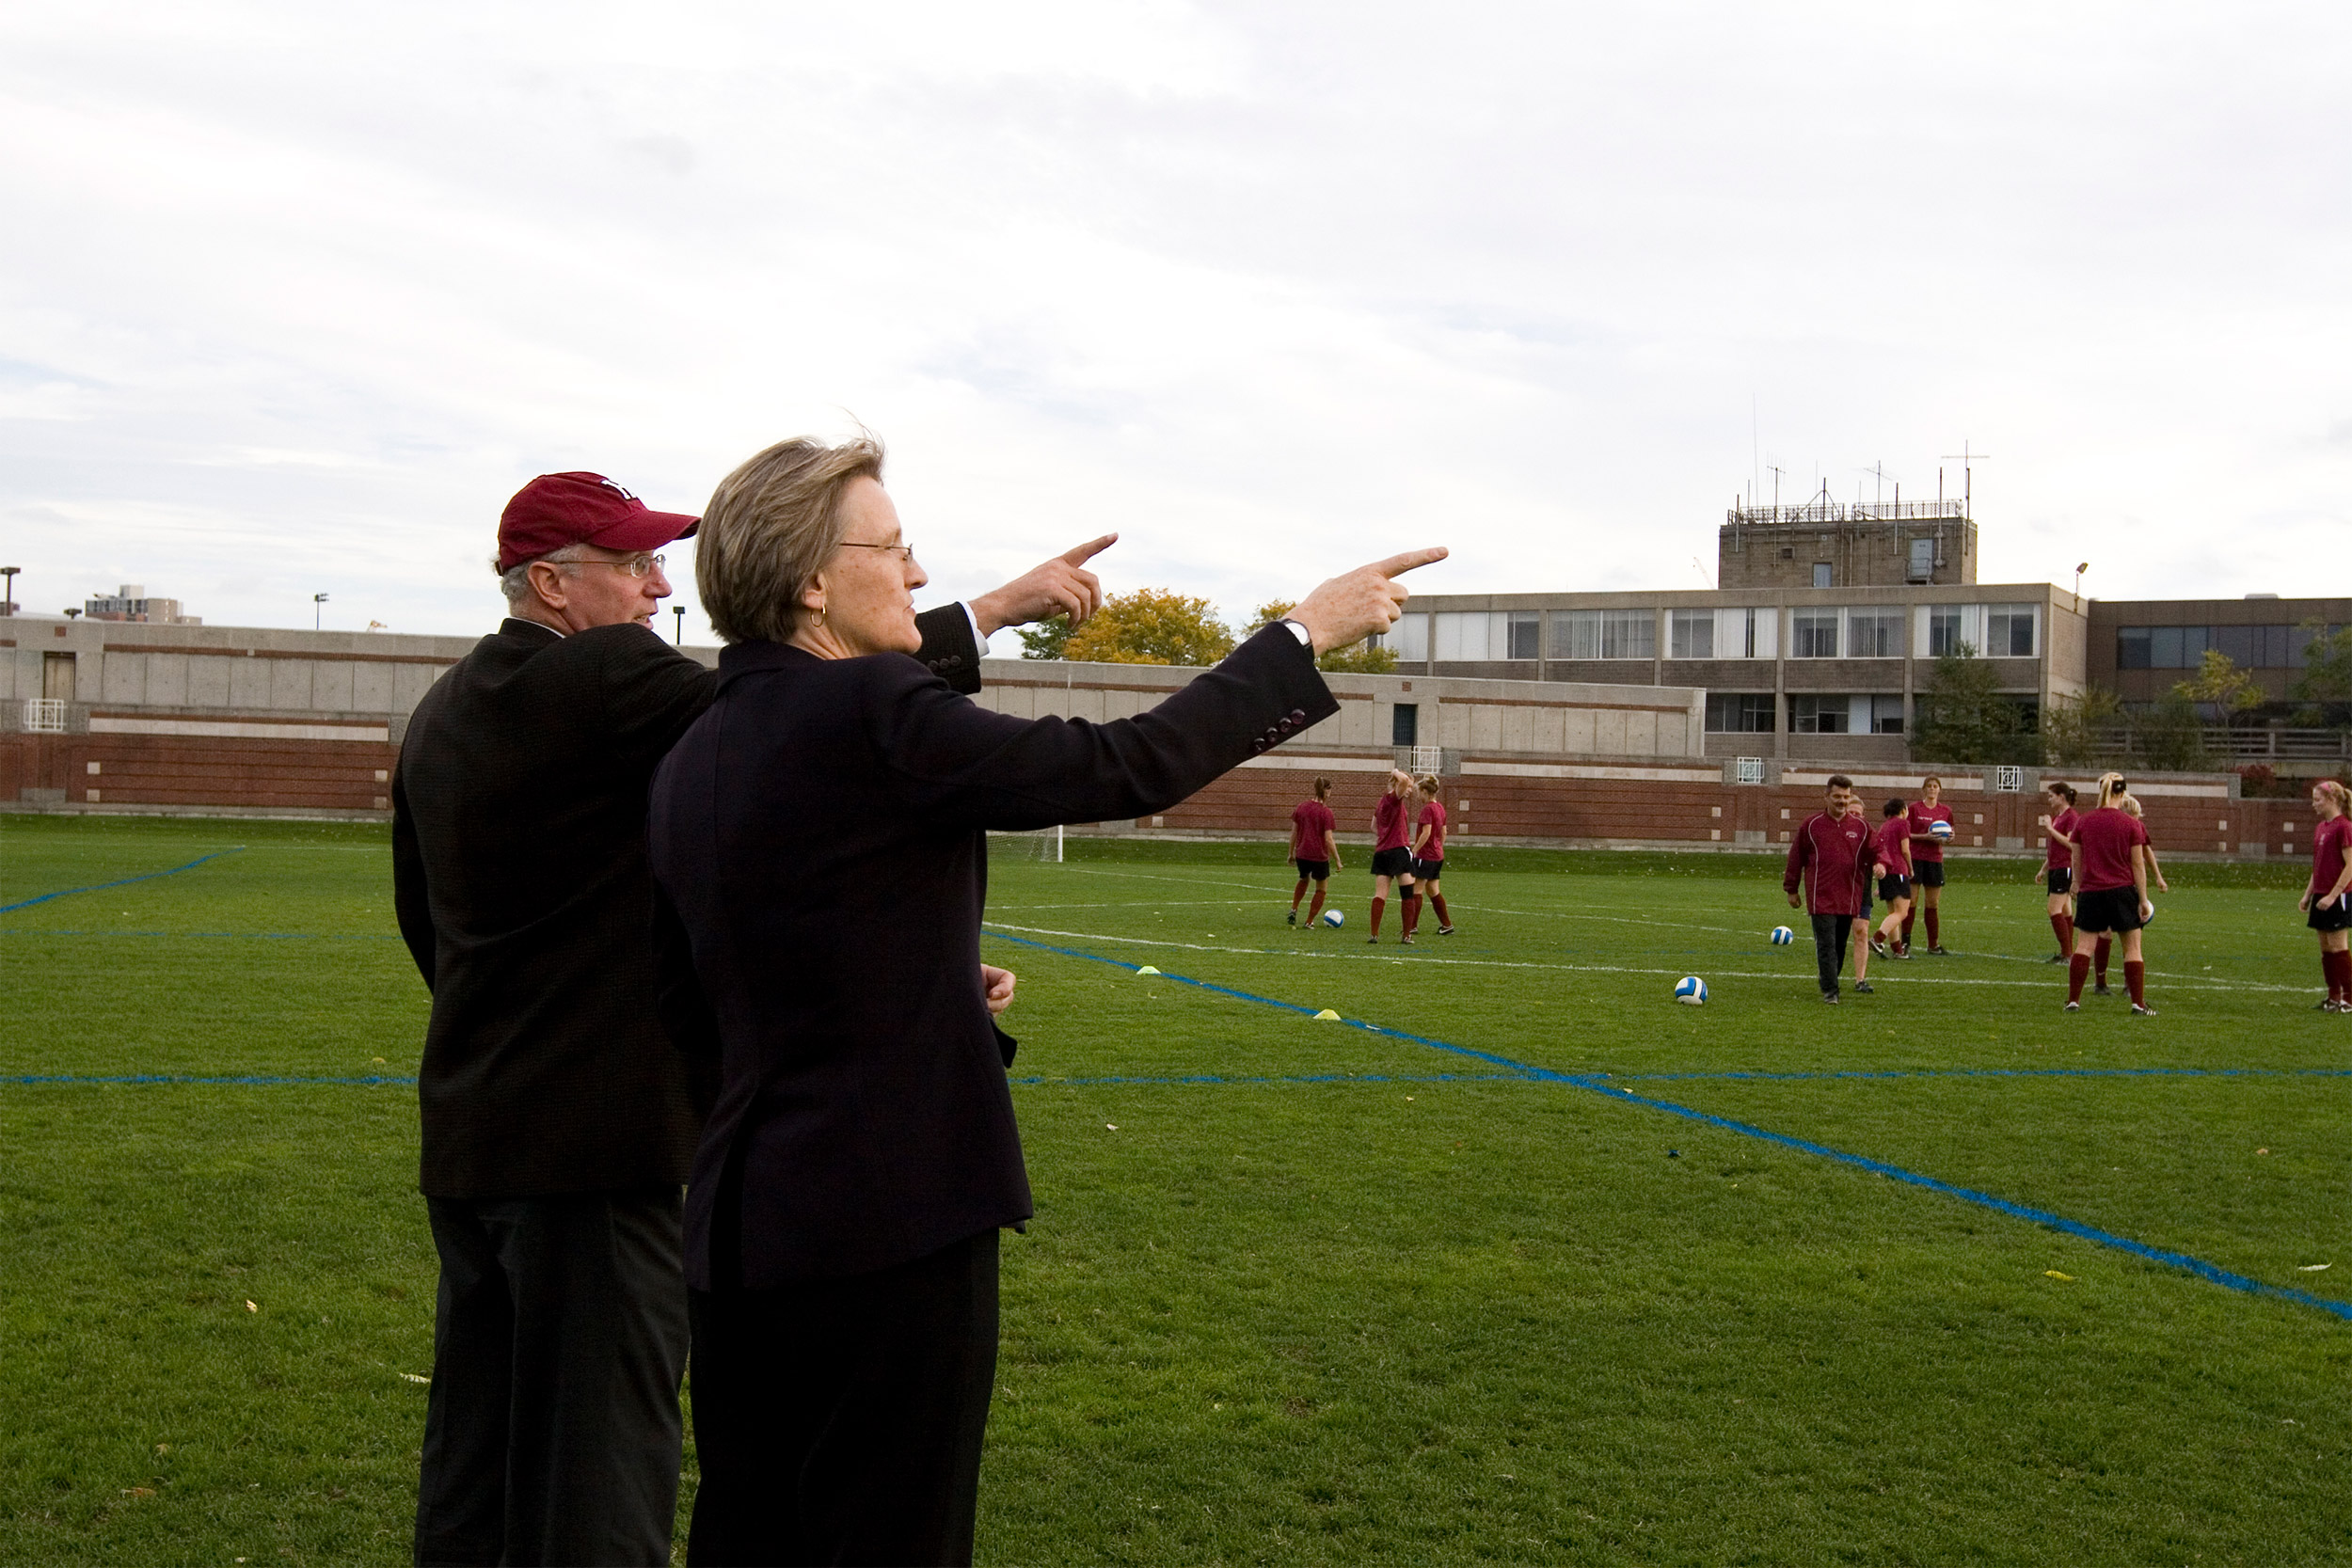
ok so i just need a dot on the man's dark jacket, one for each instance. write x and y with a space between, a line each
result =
520 882
821 831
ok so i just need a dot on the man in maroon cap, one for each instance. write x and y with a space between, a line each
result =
559 1119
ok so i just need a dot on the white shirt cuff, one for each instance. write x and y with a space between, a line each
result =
980 639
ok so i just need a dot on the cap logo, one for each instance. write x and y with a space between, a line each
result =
616 488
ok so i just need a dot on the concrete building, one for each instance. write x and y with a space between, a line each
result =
1795 673
1826 544
2139 648
131 603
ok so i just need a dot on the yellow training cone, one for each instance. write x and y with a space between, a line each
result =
1147 969
1326 1015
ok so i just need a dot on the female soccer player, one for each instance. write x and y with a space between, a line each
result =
1891 864
2325 896
1390 860
2057 866
2129 805
1428 858
2111 895
1927 859
1861 933
1314 849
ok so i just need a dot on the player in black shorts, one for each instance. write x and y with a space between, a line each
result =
1890 860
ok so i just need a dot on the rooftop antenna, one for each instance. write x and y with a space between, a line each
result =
1778 471
1967 461
1879 469
1701 570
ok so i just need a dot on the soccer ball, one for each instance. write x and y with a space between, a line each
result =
1938 830
1783 936
1691 989
1333 917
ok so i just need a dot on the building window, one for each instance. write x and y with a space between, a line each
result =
1405 728
1811 715
1740 713
1944 639
2278 647
1604 634
1874 634
1692 634
1821 575
2009 631
1523 635
1886 714
2131 647
1461 638
1815 633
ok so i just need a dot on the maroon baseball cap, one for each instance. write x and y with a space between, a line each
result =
556 510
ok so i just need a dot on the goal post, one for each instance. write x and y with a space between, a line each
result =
1040 844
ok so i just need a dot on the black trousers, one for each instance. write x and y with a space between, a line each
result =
553 1434
1830 932
839 1420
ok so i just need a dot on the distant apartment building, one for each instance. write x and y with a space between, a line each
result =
2140 648
131 603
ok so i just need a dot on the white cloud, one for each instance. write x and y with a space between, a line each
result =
308 294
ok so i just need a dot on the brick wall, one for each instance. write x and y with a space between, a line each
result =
131 772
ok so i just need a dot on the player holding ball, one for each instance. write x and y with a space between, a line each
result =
1927 859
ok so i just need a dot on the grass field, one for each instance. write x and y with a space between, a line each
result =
1462 1278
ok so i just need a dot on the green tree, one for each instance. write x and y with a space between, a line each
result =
2171 736
2073 727
1965 717
1357 658
1045 639
2223 685
2325 687
1150 626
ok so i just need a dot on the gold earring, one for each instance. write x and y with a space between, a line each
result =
820 615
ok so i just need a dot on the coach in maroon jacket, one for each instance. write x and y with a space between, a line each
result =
558 1116
1831 854
821 833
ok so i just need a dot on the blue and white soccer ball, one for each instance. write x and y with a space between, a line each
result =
1938 830
1783 936
1691 989
1334 918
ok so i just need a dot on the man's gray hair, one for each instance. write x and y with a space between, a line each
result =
770 527
515 583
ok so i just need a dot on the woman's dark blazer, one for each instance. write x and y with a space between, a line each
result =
821 834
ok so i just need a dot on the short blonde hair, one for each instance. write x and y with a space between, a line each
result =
2334 790
771 526
2127 803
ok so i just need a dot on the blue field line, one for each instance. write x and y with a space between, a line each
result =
244 1081
1867 1073
1598 1084
119 881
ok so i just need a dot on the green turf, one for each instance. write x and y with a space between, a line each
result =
1297 1292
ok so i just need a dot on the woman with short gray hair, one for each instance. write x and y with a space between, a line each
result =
820 832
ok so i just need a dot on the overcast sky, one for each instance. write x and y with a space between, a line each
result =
295 296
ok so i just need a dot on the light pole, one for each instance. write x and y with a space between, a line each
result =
679 611
8 596
318 611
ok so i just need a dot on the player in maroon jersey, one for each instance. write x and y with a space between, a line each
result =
1927 860
2327 897
1314 849
1390 860
1890 862
2129 806
2110 891
1428 852
2058 868
1831 855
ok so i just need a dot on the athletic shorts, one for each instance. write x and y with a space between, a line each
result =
1929 873
1392 863
1429 871
2335 917
1319 870
2062 879
2110 910
1892 888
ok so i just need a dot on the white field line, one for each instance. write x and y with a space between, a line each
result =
1424 961
2192 981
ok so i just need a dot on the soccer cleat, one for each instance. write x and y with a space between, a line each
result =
1290 919
1405 942
2330 1006
1862 988
2074 1006
1878 944
1939 952
1830 997
2141 1009
2058 958
1374 942
2103 989
1445 930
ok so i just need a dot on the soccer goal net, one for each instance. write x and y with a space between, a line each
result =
1044 844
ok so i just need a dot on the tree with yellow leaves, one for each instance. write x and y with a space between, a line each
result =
1150 626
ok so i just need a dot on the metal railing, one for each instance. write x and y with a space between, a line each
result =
1821 509
44 715
2246 744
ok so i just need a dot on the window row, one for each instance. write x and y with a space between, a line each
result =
1996 631
2185 648
1810 713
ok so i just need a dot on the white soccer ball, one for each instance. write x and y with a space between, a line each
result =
1691 989
1938 830
1783 936
1333 917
